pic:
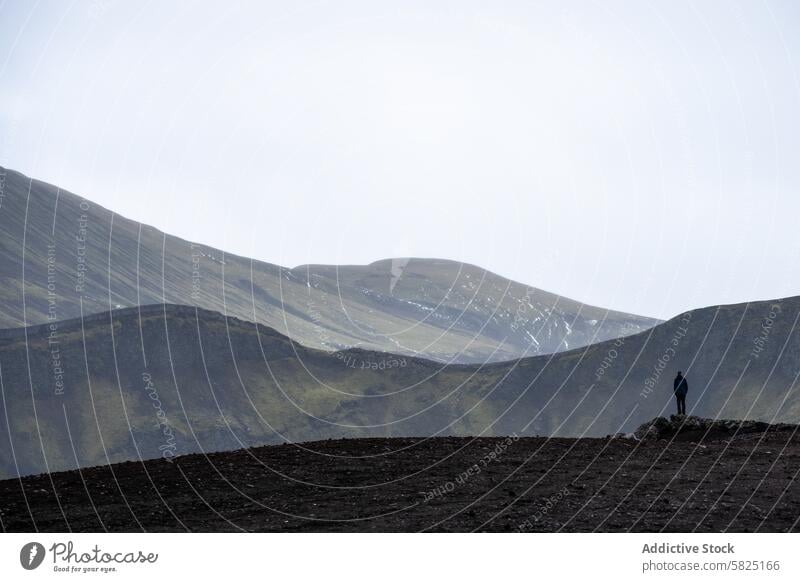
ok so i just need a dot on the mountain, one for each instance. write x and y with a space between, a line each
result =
62 256
166 380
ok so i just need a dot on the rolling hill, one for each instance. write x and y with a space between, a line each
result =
166 380
62 256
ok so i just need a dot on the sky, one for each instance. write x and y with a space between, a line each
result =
642 156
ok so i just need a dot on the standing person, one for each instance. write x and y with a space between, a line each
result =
681 387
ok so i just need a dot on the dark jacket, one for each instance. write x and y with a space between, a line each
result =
680 385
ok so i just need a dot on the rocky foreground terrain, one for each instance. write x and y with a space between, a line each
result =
683 475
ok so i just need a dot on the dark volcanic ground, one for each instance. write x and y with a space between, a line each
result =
442 484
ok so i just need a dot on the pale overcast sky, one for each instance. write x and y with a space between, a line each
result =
639 155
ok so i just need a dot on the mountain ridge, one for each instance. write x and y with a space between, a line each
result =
81 257
222 383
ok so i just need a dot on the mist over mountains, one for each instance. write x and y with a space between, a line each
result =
63 256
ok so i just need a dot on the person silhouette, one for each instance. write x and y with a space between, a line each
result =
681 387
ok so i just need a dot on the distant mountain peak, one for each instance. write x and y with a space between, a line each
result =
74 262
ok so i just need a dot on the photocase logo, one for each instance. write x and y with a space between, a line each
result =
31 555
398 266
